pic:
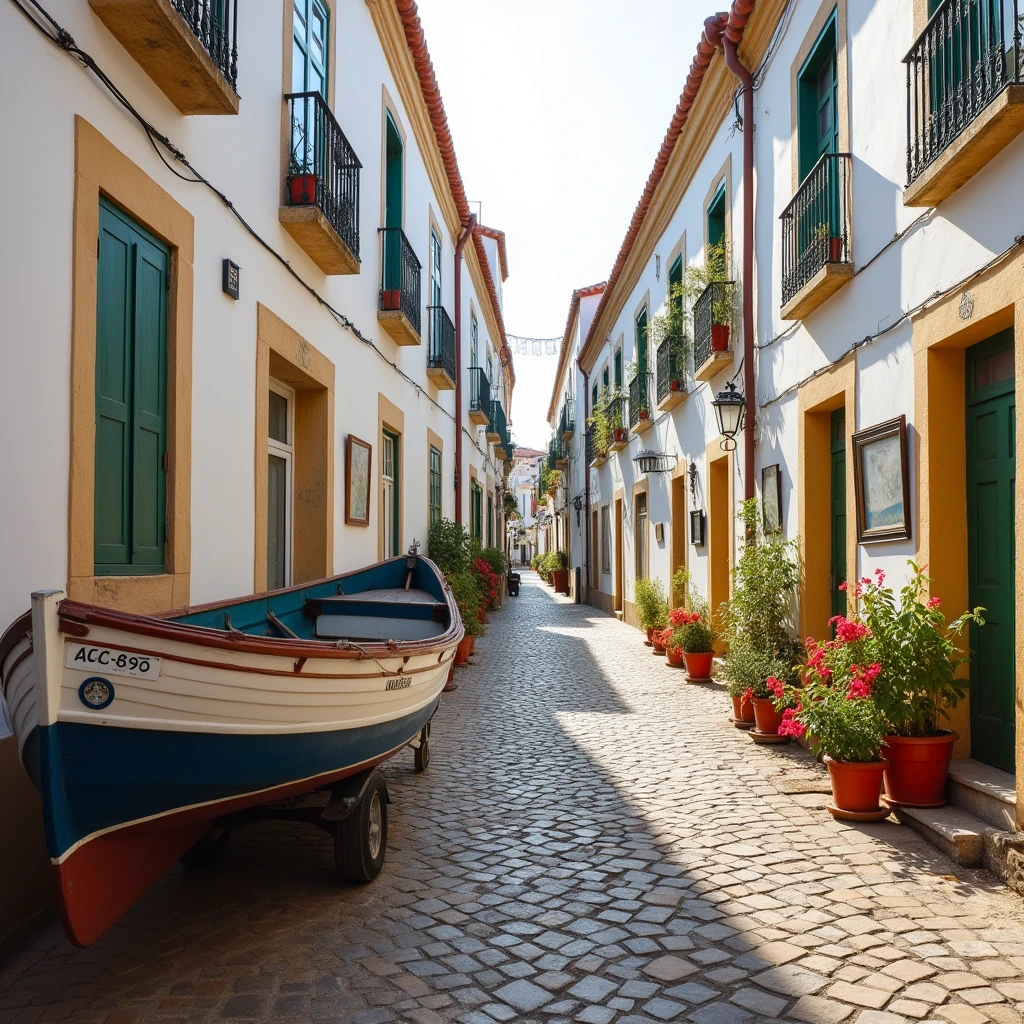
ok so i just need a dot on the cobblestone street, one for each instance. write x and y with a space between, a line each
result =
592 842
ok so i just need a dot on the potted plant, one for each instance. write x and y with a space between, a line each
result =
651 606
823 237
670 326
696 280
660 639
918 656
693 636
742 705
612 403
301 184
467 596
560 572
759 628
600 425
834 708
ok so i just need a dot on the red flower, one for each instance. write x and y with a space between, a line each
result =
880 574
934 602
748 695
842 586
847 631
789 726
775 685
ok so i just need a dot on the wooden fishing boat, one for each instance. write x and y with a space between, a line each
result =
148 736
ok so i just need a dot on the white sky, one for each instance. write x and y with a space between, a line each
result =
557 108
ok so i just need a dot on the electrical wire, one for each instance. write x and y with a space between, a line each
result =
63 39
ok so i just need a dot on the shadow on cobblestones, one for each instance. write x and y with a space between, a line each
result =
592 843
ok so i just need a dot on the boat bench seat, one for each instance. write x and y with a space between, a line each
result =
379 615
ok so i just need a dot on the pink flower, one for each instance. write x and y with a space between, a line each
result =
775 685
880 574
789 726
934 602
842 586
858 688
870 674
847 631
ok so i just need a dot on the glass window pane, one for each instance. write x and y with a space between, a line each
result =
298 67
994 369
277 521
277 418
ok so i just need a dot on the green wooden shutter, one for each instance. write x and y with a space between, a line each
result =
131 398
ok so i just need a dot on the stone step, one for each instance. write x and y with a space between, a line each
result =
984 791
954 831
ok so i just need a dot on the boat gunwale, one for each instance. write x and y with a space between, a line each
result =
159 627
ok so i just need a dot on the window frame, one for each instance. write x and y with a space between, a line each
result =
719 199
435 478
284 450
606 540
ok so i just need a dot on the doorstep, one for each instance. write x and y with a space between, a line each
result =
984 791
958 834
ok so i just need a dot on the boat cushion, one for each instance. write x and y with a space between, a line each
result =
376 627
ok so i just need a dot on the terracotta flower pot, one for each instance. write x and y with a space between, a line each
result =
915 775
698 666
650 635
674 655
720 337
835 249
463 650
560 580
742 710
659 648
472 644
766 716
620 434
302 189
674 385
644 414
855 786
391 298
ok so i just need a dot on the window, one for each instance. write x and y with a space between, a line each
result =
675 283
435 269
640 341
593 397
435 485
474 341
131 398
716 217
490 520
605 380
310 20
606 539
476 511
390 499
618 367
280 488
393 201
524 508
640 536
817 101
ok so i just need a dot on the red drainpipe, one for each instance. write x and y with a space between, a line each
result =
467 231
725 32
586 473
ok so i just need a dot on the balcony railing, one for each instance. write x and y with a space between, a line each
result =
712 309
640 391
400 287
479 391
441 350
554 453
215 25
969 51
323 168
816 224
591 446
497 424
617 413
567 420
668 368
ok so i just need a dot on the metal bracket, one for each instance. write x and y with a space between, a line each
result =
348 794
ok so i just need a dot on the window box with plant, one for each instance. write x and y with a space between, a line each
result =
759 628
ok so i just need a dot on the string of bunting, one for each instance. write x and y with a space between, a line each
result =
522 346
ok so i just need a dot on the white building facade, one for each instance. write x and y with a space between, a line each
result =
885 320
268 344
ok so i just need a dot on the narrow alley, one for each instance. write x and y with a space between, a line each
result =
592 842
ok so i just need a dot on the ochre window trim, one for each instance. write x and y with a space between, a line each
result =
100 168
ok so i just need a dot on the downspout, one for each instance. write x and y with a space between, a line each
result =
586 472
467 231
725 32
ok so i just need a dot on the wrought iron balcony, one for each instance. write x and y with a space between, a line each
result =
497 429
567 420
816 234
323 175
400 288
479 397
618 424
671 374
641 391
592 453
968 53
712 328
189 48
441 349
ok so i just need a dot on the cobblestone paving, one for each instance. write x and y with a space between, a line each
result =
592 843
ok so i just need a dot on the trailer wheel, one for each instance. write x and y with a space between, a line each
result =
361 838
421 754
207 850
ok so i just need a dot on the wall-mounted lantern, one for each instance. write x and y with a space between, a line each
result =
729 405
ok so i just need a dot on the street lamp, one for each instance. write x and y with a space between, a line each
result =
577 503
729 405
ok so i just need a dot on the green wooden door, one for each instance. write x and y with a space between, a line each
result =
642 358
129 513
991 477
838 510
393 214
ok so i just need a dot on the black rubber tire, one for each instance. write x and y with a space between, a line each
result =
207 850
421 754
361 839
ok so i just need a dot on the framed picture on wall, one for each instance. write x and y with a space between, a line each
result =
881 482
771 499
357 481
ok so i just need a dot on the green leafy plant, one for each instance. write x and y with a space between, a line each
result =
495 558
510 507
691 632
758 618
671 326
448 546
600 425
651 606
714 269
914 647
466 591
